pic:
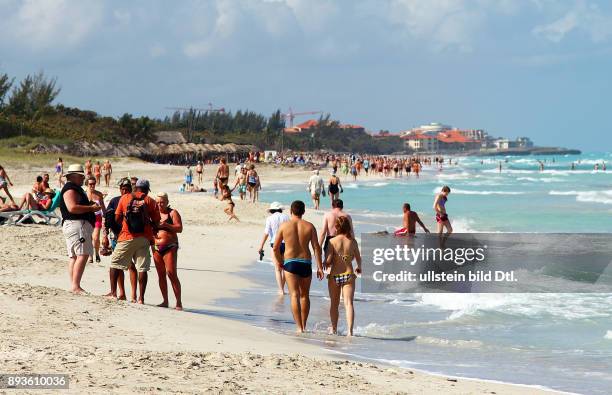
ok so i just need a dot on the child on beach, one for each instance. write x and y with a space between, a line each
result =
226 194
5 181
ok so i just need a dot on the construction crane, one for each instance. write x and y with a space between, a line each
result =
290 115
199 110
194 111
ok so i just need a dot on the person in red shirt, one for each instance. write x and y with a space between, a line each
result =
137 212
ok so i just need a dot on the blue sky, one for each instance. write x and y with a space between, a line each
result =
538 68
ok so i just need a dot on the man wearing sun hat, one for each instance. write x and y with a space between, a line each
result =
273 222
316 188
78 220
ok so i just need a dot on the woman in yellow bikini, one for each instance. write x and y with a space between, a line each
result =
343 249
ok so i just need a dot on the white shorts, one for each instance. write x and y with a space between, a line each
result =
78 237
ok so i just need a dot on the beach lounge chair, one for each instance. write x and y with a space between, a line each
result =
49 216
11 217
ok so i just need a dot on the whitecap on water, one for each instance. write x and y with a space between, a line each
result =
466 192
604 197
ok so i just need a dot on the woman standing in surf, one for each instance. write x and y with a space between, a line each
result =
439 207
343 249
335 187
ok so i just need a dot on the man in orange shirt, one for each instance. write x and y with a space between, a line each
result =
138 215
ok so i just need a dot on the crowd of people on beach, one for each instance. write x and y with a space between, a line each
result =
135 227
296 244
131 229
294 240
247 180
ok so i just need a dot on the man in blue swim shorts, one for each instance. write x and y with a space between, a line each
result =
297 234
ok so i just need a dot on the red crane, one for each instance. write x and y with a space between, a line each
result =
291 115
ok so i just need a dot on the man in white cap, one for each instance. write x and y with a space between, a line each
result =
316 188
78 220
273 222
137 213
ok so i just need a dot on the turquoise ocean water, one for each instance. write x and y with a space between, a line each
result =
560 341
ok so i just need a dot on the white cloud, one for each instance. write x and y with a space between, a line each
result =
51 24
443 23
582 16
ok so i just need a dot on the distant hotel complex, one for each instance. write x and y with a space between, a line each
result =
436 137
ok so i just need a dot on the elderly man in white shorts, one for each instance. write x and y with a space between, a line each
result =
78 220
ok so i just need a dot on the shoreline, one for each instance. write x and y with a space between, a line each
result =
88 328
320 342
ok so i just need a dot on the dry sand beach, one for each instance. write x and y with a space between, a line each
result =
108 346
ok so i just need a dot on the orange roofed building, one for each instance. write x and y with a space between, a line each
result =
311 123
447 140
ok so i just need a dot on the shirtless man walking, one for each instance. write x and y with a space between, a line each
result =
298 236
329 223
107 170
241 183
223 172
200 171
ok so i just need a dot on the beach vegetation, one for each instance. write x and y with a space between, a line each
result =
29 115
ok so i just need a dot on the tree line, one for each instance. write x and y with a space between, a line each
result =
27 108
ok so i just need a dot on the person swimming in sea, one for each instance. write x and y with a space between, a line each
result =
439 207
343 249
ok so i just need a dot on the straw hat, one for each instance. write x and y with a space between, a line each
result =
75 169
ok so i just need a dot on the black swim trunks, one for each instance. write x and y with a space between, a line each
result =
299 266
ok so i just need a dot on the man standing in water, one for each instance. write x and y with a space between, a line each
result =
329 223
297 235
439 207
316 187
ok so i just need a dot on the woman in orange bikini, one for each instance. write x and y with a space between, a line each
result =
166 248
343 249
